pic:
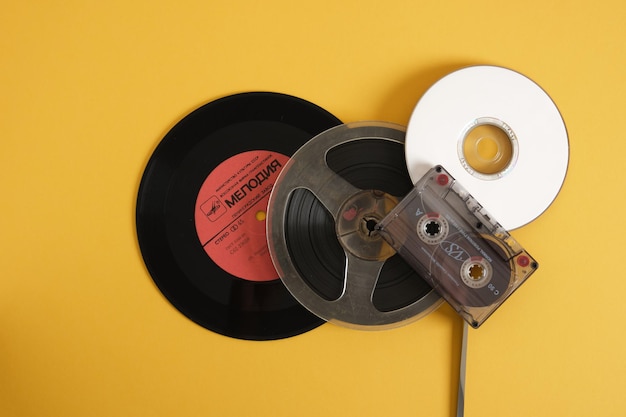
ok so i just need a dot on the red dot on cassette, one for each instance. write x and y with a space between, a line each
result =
442 179
523 261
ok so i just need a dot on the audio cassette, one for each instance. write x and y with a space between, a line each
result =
457 246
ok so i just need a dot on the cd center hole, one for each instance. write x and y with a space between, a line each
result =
432 228
487 149
476 272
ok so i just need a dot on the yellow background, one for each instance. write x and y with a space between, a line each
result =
89 88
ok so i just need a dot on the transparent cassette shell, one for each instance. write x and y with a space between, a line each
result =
460 249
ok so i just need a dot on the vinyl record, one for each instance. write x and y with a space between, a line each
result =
321 220
201 212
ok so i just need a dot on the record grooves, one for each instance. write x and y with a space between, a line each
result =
257 132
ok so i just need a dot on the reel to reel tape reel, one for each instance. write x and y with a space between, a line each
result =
322 235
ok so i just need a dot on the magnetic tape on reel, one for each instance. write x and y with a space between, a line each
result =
321 228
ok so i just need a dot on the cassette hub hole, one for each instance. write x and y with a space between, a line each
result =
476 272
432 228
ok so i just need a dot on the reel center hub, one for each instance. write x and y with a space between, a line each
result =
356 224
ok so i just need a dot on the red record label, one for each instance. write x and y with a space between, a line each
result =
230 213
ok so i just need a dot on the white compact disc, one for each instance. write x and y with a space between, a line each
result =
499 134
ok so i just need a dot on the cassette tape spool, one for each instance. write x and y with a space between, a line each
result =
461 250
321 229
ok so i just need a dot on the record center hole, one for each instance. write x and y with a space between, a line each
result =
487 149
260 215
432 228
476 272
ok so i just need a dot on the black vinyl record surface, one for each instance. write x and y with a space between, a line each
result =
201 211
